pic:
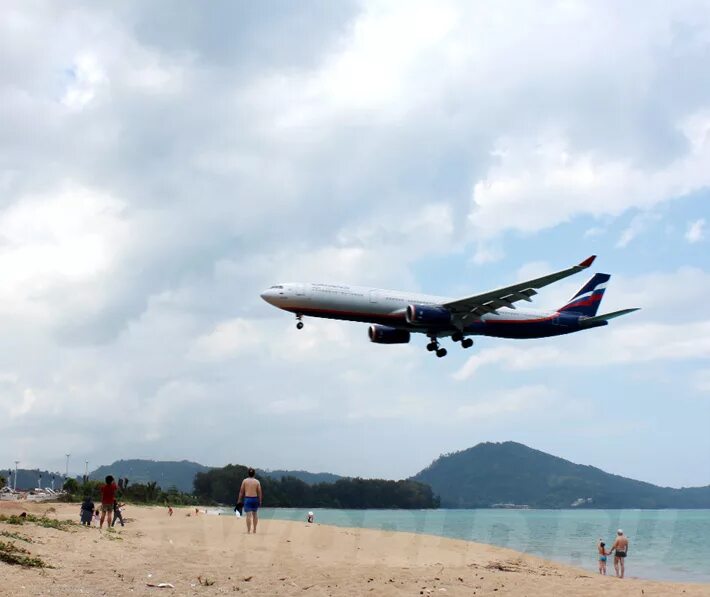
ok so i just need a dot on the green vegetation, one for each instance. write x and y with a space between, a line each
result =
42 521
17 536
138 493
222 485
510 473
18 556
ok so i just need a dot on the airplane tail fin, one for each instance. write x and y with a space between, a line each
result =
587 300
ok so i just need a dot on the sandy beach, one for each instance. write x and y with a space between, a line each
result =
213 555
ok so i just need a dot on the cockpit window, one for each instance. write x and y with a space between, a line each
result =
277 287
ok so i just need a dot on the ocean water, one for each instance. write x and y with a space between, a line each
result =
664 544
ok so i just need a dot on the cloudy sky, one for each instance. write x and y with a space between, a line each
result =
163 162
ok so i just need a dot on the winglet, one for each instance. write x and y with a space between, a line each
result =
588 261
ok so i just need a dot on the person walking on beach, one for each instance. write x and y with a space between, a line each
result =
620 549
108 497
250 495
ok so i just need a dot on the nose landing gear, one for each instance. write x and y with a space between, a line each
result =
299 323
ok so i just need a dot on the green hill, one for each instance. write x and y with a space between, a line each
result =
492 474
305 476
166 474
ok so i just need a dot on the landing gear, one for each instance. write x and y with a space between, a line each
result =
434 347
299 324
459 337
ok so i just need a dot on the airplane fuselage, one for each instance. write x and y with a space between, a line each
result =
389 308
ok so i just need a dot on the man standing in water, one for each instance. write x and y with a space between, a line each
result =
250 496
620 549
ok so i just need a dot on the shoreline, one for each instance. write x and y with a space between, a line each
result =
521 531
287 558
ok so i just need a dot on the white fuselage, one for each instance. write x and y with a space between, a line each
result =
373 305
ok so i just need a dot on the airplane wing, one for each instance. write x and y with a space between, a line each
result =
474 306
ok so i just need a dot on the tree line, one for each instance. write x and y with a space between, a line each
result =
138 493
222 485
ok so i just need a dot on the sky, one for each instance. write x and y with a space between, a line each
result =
161 163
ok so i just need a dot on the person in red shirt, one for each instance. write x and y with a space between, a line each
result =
108 496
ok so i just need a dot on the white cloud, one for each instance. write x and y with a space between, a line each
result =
639 224
541 181
622 344
25 404
696 231
506 403
227 340
87 79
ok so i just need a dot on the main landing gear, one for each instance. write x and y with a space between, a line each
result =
434 347
465 342
299 323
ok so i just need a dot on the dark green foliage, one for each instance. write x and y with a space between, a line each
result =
222 485
139 493
508 472
164 473
71 485
305 476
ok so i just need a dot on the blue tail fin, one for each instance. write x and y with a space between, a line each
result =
587 300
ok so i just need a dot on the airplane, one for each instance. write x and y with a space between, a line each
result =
395 315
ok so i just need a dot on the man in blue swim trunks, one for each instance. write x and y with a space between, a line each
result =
250 496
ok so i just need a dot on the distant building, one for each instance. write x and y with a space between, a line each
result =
581 502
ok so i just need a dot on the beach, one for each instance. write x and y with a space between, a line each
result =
213 555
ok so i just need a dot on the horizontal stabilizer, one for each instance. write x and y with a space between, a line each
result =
602 318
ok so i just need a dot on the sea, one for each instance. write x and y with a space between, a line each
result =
664 544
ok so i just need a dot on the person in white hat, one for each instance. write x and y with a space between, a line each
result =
620 549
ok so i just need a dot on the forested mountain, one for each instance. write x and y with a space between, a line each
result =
492 474
305 476
222 485
166 474
32 478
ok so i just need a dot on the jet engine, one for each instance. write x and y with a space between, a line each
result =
382 334
425 315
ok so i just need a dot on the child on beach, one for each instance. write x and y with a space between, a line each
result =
602 557
87 509
117 514
96 517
